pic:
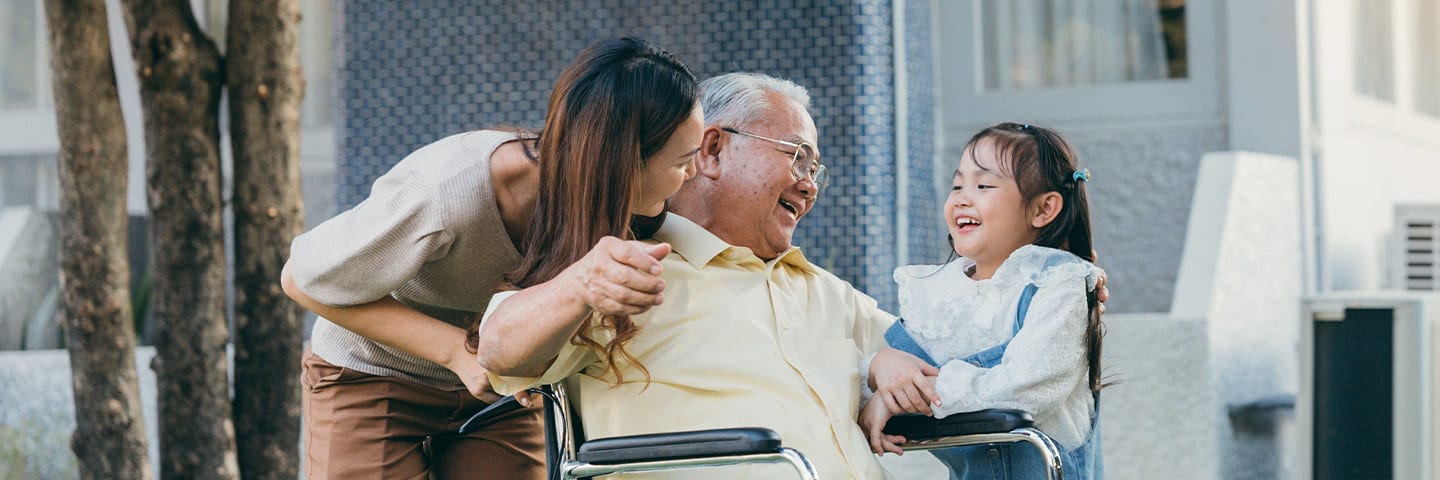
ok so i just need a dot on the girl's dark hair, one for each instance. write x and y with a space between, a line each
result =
613 107
1041 161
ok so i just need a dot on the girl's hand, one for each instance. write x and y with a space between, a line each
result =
873 417
905 383
619 277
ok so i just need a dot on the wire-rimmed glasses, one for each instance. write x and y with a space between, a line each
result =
805 162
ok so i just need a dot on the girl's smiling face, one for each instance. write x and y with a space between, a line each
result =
987 217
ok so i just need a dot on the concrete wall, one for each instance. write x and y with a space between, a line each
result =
39 413
1141 195
1241 272
1156 422
29 278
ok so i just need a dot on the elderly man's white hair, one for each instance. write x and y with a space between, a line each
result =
737 99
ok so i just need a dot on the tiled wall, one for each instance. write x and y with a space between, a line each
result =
412 72
927 233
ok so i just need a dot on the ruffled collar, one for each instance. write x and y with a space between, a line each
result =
933 295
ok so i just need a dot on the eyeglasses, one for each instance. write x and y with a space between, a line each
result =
804 164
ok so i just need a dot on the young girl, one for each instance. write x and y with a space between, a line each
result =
1012 323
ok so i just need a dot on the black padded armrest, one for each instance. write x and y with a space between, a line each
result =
921 427
675 445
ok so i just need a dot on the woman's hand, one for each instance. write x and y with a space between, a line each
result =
620 277
478 384
873 417
904 382
523 334
475 380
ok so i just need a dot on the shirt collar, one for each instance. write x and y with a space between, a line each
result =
698 246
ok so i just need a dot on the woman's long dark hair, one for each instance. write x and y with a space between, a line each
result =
1041 161
614 106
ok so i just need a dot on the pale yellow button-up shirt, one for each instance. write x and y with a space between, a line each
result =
739 342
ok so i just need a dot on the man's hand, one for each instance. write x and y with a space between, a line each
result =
620 277
872 420
903 382
1102 294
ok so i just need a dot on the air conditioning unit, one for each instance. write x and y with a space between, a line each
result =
1414 259
1367 404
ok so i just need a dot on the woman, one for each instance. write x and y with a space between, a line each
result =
397 279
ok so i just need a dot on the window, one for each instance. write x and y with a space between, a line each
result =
316 36
27 170
1067 62
24 71
1427 57
1059 43
316 55
1374 63
1396 61
29 181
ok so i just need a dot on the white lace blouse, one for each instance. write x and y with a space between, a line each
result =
1043 371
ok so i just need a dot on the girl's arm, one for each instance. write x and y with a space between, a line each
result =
903 382
521 336
396 325
1042 365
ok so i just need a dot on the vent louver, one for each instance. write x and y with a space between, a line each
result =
1418 229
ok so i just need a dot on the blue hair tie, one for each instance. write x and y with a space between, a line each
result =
1081 175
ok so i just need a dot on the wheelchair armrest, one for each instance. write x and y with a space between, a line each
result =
676 445
921 427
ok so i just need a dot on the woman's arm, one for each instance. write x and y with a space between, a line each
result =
396 325
522 335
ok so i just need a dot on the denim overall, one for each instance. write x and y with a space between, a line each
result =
1007 461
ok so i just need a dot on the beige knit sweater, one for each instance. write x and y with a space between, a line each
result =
429 234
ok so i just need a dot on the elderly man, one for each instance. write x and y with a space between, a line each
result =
738 328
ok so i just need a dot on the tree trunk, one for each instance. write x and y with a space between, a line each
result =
265 89
109 437
180 76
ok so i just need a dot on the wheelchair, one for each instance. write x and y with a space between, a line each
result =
569 455
983 427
